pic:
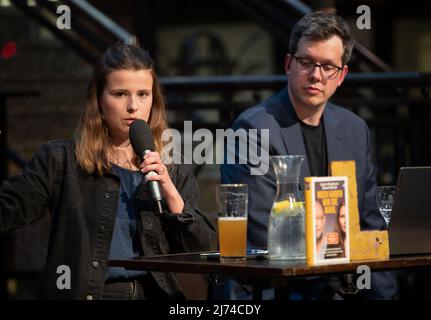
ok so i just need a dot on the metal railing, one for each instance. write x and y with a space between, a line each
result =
280 16
91 31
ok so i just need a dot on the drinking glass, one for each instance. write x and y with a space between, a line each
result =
385 200
232 221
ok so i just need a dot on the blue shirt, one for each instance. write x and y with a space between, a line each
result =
125 242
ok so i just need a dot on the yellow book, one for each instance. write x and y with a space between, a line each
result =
364 245
327 220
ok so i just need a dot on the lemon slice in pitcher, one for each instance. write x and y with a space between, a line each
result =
281 206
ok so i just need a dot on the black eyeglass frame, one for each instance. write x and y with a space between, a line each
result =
320 65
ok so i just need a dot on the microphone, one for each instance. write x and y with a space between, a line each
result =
141 138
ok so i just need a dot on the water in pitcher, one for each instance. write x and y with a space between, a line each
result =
286 225
286 235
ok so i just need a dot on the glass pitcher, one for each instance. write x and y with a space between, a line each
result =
286 226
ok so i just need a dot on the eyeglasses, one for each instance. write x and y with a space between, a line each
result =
327 71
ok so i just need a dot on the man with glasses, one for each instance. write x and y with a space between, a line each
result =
302 121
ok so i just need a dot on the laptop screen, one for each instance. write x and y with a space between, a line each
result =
410 225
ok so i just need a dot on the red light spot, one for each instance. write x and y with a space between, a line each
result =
8 50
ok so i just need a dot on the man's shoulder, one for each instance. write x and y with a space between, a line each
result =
260 115
345 116
251 114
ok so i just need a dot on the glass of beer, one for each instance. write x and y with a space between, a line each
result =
232 221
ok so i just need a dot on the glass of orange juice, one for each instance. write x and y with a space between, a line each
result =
232 221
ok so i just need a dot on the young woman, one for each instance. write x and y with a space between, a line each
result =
94 190
341 219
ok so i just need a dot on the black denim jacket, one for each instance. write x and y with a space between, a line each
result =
83 209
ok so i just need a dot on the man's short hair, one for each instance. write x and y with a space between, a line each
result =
319 25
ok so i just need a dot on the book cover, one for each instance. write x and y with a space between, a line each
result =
327 220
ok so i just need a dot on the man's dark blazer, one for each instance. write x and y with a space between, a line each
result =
347 138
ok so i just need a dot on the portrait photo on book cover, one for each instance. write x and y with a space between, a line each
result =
330 216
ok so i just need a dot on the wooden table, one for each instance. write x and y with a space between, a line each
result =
263 273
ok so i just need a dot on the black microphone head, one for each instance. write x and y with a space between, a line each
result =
141 137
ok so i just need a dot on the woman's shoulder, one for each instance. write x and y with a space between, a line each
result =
60 143
57 148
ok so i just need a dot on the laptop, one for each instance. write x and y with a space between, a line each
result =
410 225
